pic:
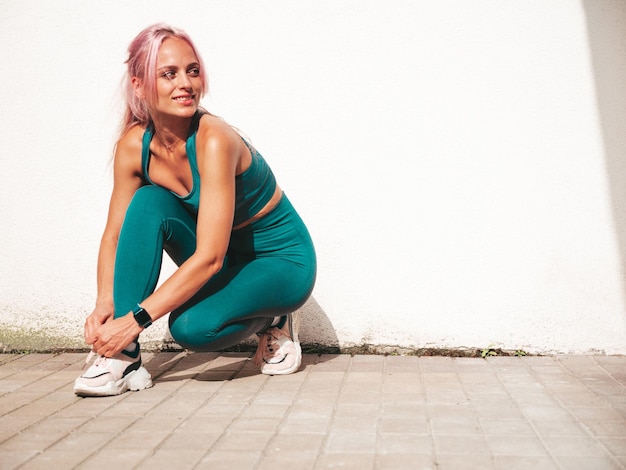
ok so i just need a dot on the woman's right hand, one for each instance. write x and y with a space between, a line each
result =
100 315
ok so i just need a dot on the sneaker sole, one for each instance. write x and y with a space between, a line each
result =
139 379
292 369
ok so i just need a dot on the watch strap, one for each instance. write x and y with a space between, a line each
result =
142 317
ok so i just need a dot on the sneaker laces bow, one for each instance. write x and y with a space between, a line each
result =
265 347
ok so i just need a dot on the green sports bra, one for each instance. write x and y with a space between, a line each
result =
253 188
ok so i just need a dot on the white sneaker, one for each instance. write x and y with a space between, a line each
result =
113 376
279 351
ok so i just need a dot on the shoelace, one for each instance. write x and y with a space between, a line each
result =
99 359
266 347
91 354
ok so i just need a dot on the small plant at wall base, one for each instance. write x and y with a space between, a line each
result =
488 351
491 351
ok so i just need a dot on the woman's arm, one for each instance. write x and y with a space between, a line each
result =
218 156
219 152
126 180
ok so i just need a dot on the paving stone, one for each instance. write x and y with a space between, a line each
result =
555 427
594 463
295 459
574 446
173 458
361 424
236 441
346 461
32 441
229 460
362 397
405 443
456 462
405 462
310 411
506 427
182 440
452 425
601 428
266 425
460 444
525 462
292 425
129 458
305 442
522 446
10 459
616 445
355 441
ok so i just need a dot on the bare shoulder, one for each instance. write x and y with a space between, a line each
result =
131 141
128 149
216 137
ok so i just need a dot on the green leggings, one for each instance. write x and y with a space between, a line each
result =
269 269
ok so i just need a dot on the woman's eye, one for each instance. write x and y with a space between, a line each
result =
194 72
169 74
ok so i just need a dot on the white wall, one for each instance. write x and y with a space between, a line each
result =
454 160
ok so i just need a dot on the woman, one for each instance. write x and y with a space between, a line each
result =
187 183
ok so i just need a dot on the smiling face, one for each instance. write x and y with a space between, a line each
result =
178 79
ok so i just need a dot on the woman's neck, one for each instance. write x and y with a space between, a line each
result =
171 131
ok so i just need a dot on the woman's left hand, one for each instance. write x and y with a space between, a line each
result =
115 335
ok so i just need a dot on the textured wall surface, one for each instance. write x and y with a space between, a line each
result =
460 164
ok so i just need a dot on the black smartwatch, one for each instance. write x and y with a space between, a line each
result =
142 317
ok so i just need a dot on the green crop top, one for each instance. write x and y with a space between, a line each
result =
253 188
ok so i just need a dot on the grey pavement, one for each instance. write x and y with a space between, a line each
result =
214 411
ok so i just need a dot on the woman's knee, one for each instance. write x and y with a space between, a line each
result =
151 200
156 210
186 333
204 337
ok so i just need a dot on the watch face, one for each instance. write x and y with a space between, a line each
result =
142 317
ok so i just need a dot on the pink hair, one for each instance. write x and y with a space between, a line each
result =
142 59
